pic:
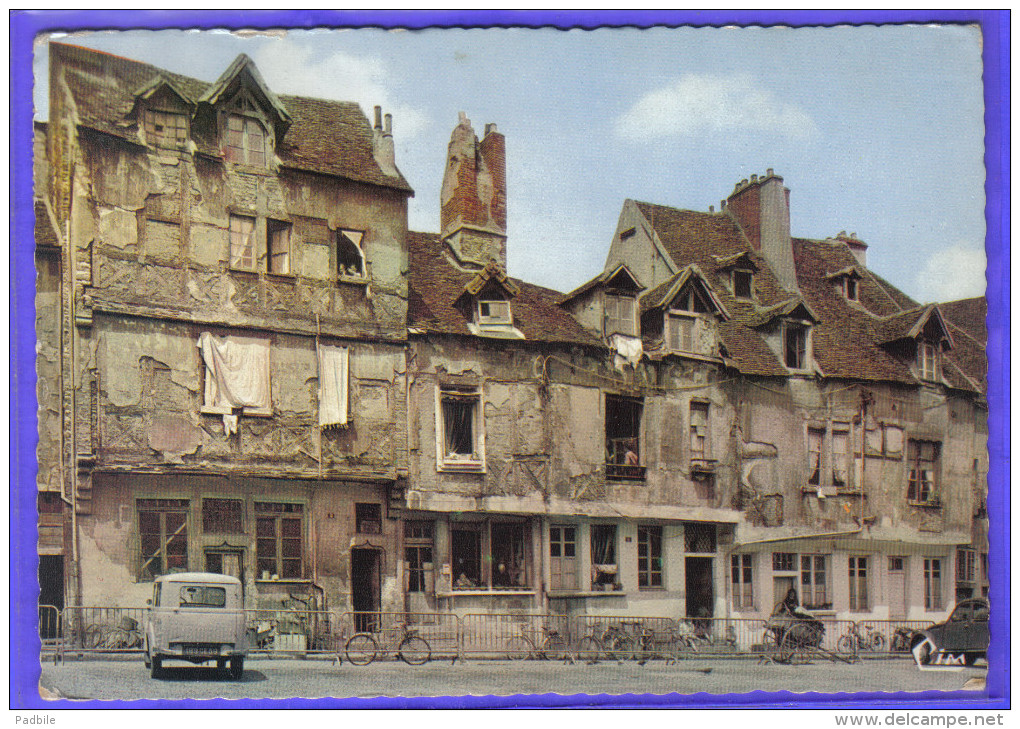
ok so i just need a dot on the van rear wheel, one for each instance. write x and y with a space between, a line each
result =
237 667
156 667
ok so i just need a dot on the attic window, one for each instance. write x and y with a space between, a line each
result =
928 360
350 258
742 284
494 313
795 346
165 129
850 288
246 141
690 300
619 315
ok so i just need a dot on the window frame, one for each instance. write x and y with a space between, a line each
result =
445 459
419 556
238 247
249 122
163 507
859 599
814 565
617 298
851 288
920 491
650 567
279 514
966 565
802 348
367 514
489 320
274 230
928 360
160 140
357 243
742 581
488 559
210 517
618 465
933 587
750 284
602 577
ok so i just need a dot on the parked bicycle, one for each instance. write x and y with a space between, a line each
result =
123 636
856 640
613 642
411 648
555 645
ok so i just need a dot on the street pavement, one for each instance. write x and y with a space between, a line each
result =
127 679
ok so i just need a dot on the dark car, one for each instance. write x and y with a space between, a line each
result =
964 634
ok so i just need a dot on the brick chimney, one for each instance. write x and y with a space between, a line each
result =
761 207
473 199
858 247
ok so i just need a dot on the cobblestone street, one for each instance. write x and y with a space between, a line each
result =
286 678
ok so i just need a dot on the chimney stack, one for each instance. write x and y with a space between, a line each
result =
473 198
858 247
762 209
382 144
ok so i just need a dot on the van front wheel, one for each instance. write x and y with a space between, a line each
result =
237 667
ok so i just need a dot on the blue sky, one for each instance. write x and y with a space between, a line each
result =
876 130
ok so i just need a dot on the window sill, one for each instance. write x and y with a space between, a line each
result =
482 592
583 594
926 504
286 277
244 272
285 580
623 472
652 589
355 280
462 467
250 412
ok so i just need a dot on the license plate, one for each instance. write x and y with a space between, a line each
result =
200 650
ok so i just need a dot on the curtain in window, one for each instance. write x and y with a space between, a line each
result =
457 413
236 375
334 363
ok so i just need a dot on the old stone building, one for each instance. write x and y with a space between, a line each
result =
222 319
248 364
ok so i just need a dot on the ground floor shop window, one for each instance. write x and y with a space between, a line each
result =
163 536
649 556
603 555
858 584
563 557
278 540
742 581
932 584
490 555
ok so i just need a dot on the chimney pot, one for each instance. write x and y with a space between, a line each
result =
711 208
378 117
842 234
768 172
854 235
754 178
490 128
388 128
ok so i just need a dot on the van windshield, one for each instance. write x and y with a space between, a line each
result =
203 596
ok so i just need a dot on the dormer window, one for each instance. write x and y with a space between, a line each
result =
795 346
619 315
494 313
928 360
349 255
246 141
850 288
743 281
165 129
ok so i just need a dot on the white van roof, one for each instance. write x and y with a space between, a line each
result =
200 577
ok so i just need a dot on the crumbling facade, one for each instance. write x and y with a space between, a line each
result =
248 364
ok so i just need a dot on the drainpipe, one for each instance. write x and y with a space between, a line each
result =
72 337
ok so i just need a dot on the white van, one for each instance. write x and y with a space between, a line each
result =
196 617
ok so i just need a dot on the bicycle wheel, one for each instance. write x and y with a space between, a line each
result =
361 649
519 648
414 650
623 648
845 644
683 647
878 642
555 648
93 637
588 649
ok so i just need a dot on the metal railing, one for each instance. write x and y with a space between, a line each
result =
121 630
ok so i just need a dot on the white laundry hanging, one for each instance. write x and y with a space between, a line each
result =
333 367
236 375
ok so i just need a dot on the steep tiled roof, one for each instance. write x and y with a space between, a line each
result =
849 337
328 137
966 320
435 283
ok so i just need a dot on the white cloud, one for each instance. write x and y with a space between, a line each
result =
957 272
704 104
298 69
